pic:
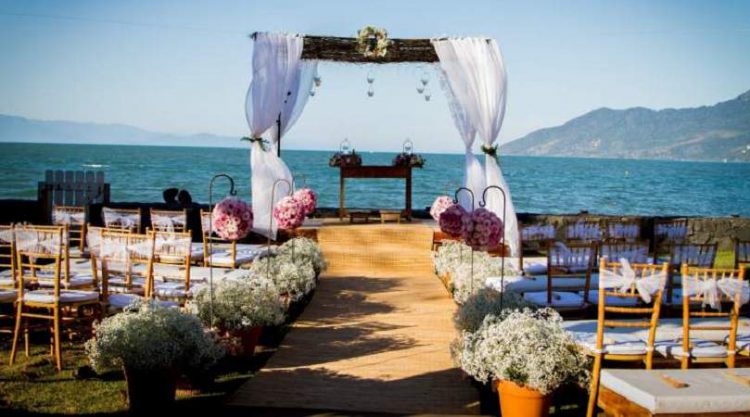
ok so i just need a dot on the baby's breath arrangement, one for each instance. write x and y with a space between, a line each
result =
147 336
529 348
466 282
295 279
240 304
304 249
483 303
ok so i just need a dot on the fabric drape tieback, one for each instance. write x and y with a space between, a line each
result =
490 151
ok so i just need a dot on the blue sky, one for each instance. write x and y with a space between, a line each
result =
184 67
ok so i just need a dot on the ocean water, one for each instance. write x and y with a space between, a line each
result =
537 184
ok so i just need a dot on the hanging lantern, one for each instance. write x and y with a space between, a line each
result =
345 147
370 91
427 94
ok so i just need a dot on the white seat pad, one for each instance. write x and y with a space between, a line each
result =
612 300
117 302
76 281
66 296
172 290
8 296
539 283
7 282
225 257
700 349
559 299
614 343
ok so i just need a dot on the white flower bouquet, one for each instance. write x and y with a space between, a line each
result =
239 304
528 348
485 302
295 279
304 250
467 281
149 337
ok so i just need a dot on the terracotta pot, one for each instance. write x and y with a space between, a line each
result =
149 390
249 338
518 401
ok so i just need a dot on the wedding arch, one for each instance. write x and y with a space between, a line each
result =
472 75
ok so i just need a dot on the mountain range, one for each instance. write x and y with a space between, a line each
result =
717 132
713 133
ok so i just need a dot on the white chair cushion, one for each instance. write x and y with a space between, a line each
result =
8 296
611 300
559 299
119 281
7 282
121 301
76 281
700 349
614 343
172 290
539 283
535 268
5 273
225 257
66 296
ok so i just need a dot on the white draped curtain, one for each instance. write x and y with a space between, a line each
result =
476 88
278 91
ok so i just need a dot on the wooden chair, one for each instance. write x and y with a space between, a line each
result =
704 292
225 254
690 254
126 261
623 230
123 219
74 218
70 280
8 285
40 249
171 249
538 236
573 262
169 220
741 253
612 301
583 231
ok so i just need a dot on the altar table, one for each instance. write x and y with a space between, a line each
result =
374 171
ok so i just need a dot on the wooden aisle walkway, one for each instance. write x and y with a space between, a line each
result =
375 337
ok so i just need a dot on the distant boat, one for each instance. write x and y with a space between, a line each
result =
725 160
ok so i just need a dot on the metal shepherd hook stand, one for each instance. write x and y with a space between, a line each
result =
502 237
270 221
232 192
455 201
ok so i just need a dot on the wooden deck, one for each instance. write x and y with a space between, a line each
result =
374 339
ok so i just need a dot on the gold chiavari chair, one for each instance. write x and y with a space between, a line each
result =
8 290
741 253
169 220
538 237
704 292
583 231
629 297
225 254
74 218
571 265
41 249
627 230
692 255
124 219
633 252
126 261
172 256
70 279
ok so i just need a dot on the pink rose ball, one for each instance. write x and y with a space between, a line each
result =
308 199
439 206
454 220
289 213
232 219
485 231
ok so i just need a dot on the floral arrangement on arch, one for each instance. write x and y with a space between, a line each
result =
232 218
405 159
373 42
341 159
289 213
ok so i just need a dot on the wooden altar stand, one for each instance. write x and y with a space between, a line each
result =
374 171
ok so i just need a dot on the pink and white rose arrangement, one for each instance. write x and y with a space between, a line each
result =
232 218
308 199
484 230
438 207
289 213
454 219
